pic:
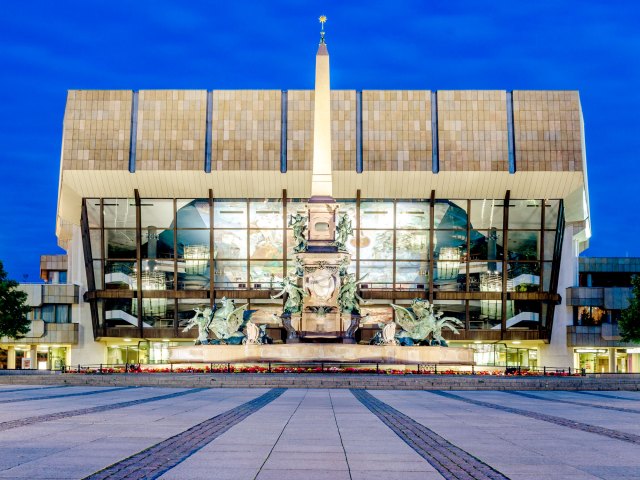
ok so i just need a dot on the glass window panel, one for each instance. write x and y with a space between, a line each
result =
296 205
485 276
97 274
186 311
119 213
378 274
156 213
450 270
63 314
523 315
487 244
120 243
523 245
62 277
266 274
412 245
376 244
412 215
412 275
525 214
376 214
524 276
552 207
193 213
265 244
93 212
228 214
450 214
476 320
118 312
193 243
96 239
48 313
120 275
230 243
451 239
486 214
452 308
265 213
549 244
231 274
157 243
546 275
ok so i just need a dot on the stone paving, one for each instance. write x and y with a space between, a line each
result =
172 434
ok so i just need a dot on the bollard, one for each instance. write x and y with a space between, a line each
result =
473 370
544 371
377 368
211 367
78 368
228 368
435 369
569 371
171 367
100 368
418 369
321 367
269 367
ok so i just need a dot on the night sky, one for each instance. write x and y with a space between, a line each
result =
48 47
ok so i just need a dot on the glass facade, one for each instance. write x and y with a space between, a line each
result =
486 262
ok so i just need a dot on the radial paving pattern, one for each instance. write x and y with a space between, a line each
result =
316 434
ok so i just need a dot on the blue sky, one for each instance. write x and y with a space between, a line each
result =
48 47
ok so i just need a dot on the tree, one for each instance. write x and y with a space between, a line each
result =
629 323
13 308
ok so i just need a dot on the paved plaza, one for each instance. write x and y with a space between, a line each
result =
71 432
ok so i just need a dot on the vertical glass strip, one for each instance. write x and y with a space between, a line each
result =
435 155
359 164
510 134
134 132
208 133
283 131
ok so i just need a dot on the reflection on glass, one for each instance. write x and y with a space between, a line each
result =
523 245
266 274
156 213
412 275
452 308
193 213
552 207
118 313
524 316
525 214
487 245
157 243
450 214
525 276
376 214
412 245
348 207
376 244
265 214
232 274
486 214
451 238
230 243
186 310
97 275
378 274
412 215
549 244
228 214
93 212
120 243
196 259
119 213
95 237
546 276
265 244
186 238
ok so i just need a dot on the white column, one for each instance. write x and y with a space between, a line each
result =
11 357
612 360
33 355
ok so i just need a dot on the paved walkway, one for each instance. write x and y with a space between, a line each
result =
271 433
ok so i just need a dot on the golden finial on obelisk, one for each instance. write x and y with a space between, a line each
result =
323 20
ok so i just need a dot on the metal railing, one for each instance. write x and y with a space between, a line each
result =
321 367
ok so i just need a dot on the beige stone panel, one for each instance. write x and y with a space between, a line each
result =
343 129
171 130
300 104
246 129
472 130
547 130
396 130
96 130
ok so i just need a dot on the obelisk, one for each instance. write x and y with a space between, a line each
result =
322 205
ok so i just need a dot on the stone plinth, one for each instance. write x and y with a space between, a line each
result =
321 352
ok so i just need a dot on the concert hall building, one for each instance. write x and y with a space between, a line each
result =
476 200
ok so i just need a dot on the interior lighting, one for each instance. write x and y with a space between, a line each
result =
448 264
196 259
127 339
516 342
477 342
166 340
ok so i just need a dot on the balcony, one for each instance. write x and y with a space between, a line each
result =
605 335
47 333
50 293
